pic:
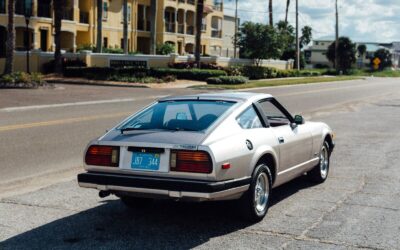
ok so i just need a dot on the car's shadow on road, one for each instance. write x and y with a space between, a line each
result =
166 224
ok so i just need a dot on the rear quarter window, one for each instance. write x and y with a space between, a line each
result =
249 119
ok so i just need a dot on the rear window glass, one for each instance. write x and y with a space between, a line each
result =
179 115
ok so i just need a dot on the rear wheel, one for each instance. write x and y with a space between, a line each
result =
320 172
255 202
136 202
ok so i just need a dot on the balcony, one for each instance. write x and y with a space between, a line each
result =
216 33
218 6
170 27
84 17
44 10
68 14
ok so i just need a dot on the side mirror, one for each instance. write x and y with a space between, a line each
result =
298 119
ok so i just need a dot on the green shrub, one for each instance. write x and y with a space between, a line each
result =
234 71
113 50
228 80
187 74
258 72
165 49
22 79
169 78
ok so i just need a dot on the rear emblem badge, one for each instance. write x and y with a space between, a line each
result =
249 145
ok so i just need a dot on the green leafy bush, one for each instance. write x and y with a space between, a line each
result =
22 79
258 72
228 80
234 71
165 49
113 50
187 74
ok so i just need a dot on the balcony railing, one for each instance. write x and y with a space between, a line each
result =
68 14
181 28
216 33
218 6
170 27
83 17
190 30
44 10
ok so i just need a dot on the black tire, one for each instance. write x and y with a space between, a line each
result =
248 202
320 172
136 202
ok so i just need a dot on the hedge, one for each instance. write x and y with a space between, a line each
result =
187 74
104 73
228 80
257 72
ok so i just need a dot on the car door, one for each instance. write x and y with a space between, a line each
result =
295 143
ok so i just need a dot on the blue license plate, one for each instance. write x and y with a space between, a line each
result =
145 161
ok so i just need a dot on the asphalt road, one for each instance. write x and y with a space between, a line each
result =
358 207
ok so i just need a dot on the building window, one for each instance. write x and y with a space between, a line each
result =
2 6
105 10
204 24
129 14
122 44
105 42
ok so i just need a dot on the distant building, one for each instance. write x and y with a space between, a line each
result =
394 49
228 33
316 53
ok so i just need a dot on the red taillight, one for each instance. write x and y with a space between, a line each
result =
191 161
107 156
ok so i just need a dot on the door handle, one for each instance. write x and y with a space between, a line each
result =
281 140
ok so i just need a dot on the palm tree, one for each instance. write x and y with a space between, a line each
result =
99 38
58 6
125 12
270 11
287 10
153 29
10 43
199 21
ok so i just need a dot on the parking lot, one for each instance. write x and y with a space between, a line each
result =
358 207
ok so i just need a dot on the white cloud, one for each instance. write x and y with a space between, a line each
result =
361 20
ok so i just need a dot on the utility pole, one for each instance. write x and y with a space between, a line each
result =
236 31
297 36
337 39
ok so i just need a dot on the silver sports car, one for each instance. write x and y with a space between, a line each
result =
208 147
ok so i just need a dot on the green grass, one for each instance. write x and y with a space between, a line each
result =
280 82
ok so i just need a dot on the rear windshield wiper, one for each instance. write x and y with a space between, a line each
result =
129 129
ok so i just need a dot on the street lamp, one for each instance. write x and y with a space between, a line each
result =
27 19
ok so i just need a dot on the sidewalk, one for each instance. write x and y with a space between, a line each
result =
83 81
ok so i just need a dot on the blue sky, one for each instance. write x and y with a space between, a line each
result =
361 20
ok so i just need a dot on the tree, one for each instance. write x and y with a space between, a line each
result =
199 22
286 33
385 57
287 10
165 49
258 41
362 49
346 55
99 38
58 6
125 12
306 36
270 11
153 29
10 43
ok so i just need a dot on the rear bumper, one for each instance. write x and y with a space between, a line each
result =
164 187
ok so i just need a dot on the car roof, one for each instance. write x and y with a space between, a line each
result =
222 96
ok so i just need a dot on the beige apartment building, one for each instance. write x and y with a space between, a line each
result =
175 23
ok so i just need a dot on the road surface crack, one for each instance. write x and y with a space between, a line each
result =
4 201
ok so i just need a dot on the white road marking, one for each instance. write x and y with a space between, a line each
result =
24 108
